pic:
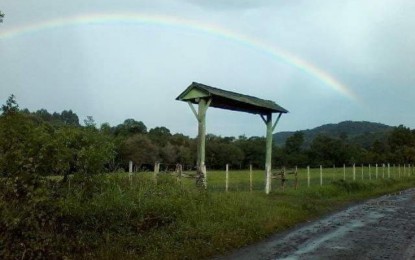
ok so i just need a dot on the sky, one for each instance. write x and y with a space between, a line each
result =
324 61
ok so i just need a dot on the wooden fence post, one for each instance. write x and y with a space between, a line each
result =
383 170
321 175
344 171
130 171
296 177
250 177
308 176
376 171
404 170
156 171
389 171
227 178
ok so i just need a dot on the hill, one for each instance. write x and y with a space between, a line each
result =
362 132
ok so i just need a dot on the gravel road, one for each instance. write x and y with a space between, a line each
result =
381 228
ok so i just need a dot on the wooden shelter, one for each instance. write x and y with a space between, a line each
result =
206 96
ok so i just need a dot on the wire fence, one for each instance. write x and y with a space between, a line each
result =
284 178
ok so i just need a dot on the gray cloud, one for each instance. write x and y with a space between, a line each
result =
115 71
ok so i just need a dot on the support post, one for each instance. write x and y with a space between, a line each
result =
268 154
376 171
321 175
201 178
308 176
383 171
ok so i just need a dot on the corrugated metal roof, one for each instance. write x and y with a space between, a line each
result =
231 100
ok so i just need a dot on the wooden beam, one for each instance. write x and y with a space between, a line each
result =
193 109
276 122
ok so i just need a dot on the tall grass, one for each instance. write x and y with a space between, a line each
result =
111 217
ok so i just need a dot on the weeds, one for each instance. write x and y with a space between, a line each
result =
111 216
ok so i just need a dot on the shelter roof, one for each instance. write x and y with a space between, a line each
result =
229 100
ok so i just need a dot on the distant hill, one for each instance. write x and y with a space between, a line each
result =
363 133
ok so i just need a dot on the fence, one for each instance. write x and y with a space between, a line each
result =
286 178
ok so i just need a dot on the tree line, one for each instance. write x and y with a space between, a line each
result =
57 144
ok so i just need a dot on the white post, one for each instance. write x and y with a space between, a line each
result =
250 177
130 167
376 171
383 170
321 175
308 176
389 170
344 171
130 171
227 177
354 172
404 170
156 171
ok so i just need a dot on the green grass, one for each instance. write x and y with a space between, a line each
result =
112 217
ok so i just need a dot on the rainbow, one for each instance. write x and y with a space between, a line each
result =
162 20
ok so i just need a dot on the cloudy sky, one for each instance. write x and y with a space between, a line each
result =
325 61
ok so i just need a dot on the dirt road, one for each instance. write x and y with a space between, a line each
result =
381 228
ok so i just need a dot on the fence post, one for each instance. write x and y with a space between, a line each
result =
389 171
370 173
321 175
250 177
404 170
156 171
130 171
354 172
296 177
308 176
344 171
227 178
383 170
376 171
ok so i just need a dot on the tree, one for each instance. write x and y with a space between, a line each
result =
69 118
159 135
11 106
139 149
294 143
130 127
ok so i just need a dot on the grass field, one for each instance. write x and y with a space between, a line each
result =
239 180
113 216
